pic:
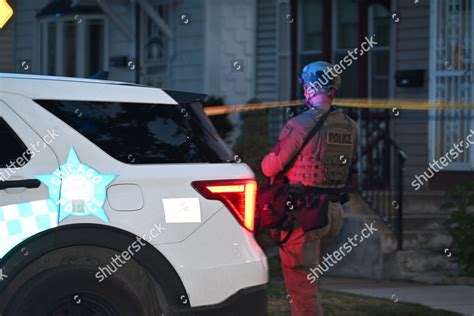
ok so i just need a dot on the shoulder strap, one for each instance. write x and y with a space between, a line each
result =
280 243
310 135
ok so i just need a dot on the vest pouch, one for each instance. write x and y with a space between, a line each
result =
273 204
312 211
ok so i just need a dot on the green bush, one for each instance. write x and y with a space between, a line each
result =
462 224
254 143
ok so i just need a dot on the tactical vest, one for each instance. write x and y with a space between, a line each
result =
326 159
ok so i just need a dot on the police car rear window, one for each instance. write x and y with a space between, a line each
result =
144 133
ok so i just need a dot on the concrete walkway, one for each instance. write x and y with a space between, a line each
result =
456 298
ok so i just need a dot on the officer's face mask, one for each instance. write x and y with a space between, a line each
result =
322 98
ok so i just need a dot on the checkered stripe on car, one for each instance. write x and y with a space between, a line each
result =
21 221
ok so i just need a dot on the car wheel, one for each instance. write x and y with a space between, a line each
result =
72 289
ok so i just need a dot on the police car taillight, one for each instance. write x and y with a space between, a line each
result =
239 196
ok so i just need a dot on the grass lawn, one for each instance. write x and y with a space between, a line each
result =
338 304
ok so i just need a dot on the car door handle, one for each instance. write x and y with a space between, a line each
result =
28 184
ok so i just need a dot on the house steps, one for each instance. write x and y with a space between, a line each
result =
426 255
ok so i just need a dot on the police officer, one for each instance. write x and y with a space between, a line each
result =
323 166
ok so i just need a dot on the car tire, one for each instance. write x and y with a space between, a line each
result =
72 288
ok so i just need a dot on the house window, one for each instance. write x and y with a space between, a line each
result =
347 23
379 55
346 36
74 48
312 26
311 40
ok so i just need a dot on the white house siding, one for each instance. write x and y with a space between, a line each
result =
187 61
266 51
119 45
27 33
412 52
267 76
28 45
230 37
201 52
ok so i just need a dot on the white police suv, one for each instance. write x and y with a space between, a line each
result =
118 199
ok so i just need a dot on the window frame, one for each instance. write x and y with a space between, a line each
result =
81 59
300 34
378 48
335 51
316 54
335 28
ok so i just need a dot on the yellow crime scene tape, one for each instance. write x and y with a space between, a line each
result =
350 103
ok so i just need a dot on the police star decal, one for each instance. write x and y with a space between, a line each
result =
77 189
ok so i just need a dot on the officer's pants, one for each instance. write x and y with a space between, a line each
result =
302 252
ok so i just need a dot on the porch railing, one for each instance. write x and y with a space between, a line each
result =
381 168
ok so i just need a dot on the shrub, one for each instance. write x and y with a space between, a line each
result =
254 143
220 122
462 224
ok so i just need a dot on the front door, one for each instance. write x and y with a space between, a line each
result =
452 78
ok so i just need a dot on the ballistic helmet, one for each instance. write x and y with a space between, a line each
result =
318 75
